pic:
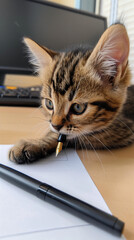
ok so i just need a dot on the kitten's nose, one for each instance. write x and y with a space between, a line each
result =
57 127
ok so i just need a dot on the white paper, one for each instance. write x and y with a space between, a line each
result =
23 216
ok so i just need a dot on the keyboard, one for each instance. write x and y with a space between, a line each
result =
18 96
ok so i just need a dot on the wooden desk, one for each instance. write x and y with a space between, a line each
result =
112 171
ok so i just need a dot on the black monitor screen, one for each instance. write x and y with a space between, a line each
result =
51 25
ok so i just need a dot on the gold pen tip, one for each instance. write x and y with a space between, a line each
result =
59 148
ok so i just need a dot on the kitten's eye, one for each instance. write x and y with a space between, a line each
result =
78 108
49 104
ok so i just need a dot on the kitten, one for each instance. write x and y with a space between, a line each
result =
83 96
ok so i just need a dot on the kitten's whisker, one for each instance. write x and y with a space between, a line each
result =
36 109
95 152
66 149
81 146
87 152
106 131
80 136
39 106
83 135
66 144
43 119
101 143
125 125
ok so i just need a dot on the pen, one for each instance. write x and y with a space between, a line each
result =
63 200
61 140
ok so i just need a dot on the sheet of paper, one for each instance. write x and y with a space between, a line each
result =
23 216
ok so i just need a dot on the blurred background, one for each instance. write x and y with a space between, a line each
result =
113 10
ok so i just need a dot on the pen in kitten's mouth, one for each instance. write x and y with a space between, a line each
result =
61 140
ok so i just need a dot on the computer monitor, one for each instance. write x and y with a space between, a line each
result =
49 24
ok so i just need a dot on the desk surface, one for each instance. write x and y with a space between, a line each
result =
111 171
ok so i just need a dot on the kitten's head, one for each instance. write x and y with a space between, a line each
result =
83 91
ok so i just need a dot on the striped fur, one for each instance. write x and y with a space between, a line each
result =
96 82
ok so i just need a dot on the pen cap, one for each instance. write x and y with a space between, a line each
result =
119 226
84 210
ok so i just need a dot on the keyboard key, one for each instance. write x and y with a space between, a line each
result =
9 95
34 94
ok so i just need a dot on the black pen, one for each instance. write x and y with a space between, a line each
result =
62 200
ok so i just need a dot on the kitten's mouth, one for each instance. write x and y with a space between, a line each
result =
69 134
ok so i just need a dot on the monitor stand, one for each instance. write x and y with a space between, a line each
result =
2 78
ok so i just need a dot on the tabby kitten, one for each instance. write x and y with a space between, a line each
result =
83 96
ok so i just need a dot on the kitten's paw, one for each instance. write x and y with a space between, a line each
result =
26 152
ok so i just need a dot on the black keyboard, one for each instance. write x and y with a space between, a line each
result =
17 96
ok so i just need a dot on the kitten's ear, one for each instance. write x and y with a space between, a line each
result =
110 56
40 57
